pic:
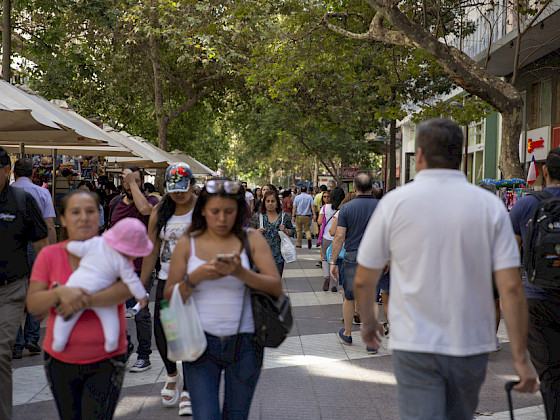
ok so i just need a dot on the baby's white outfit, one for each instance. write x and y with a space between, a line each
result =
100 266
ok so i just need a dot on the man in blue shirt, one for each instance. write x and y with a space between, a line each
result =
352 221
544 304
303 210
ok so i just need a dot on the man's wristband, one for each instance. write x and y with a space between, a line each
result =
332 263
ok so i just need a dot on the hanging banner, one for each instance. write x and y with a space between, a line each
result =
538 144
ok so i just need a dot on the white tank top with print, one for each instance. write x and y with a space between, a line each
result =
176 227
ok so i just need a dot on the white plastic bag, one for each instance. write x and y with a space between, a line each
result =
287 248
191 341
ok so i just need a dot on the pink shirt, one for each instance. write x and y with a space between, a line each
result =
86 342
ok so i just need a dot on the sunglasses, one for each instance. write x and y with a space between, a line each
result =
214 186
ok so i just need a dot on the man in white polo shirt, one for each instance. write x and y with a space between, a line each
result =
445 238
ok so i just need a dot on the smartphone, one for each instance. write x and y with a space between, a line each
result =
225 257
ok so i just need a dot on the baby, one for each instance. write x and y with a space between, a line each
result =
103 260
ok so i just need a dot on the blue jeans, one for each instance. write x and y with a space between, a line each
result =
437 387
349 266
242 369
31 331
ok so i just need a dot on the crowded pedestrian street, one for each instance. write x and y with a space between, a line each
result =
310 376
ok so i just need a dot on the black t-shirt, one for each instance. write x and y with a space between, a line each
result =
21 221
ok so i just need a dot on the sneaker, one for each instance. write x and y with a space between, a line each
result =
309 244
141 365
344 339
318 264
298 246
185 405
326 284
16 354
357 320
34 348
129 313
334 289
371 350
498 345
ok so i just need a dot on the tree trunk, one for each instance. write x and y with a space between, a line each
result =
509 153
6 40
392 183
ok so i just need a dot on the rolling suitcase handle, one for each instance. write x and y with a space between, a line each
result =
509 386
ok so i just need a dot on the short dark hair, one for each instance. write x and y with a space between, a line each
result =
135 168
88 184
553 163
441 142
23 167
378 193
363 182
323 188
304 189
4 158
148 186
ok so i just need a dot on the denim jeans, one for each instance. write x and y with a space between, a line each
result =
242 369
544 347
349 267
85 391
143 322
438 387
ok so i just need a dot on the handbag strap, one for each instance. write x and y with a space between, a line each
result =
261 220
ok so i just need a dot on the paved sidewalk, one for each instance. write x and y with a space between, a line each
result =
311 376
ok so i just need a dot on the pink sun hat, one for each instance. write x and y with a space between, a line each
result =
129 236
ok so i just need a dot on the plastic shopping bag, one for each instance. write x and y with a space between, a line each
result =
189 342
287 248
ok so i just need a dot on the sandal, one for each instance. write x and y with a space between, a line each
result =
185 407
172 393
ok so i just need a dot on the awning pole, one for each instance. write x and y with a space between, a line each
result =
53 188
22 150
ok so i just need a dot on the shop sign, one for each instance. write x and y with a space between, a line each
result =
538 143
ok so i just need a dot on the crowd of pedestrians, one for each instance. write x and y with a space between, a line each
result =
437 252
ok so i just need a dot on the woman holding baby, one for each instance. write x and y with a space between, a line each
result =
84 378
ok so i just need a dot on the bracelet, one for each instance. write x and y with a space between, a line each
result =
332 263
55 285
189 283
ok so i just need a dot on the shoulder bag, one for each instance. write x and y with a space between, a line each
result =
273 316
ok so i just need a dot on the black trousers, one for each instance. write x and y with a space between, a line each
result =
85 391
544 347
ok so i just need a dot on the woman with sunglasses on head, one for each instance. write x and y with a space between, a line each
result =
211 265
169 221
269 221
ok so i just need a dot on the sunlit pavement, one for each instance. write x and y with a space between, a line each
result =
311 376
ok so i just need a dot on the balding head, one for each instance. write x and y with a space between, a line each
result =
363 183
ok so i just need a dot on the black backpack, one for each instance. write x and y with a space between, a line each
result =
541 248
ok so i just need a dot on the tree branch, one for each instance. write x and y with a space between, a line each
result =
189 103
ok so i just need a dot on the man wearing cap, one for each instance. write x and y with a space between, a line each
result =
135 203
21 222
28 337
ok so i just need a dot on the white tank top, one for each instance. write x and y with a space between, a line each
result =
176 227
220 302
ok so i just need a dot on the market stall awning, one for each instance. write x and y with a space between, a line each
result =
71 150
26 117
151 156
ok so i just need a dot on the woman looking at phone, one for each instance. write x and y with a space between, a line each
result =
218 287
